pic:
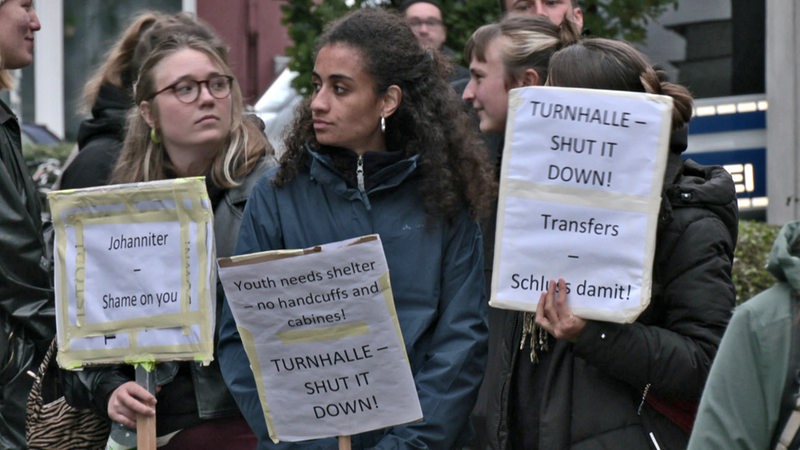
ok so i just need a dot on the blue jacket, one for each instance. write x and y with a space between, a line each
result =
436 270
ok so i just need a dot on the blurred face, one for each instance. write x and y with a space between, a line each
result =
344 106
192 133
487 89
425 21
555 10
18 22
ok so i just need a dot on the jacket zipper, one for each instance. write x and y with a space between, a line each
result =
639 412
360 173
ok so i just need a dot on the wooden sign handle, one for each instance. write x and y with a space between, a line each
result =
146 425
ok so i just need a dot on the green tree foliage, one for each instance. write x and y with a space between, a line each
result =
626 19
750 259
305 20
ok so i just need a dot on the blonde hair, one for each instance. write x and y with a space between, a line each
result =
118 68
529 43
143 160
6 81
121 65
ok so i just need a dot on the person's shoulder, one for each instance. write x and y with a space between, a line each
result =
703 192
768 307
261 174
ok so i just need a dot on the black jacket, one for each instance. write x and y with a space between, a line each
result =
598 392
27 311
99 140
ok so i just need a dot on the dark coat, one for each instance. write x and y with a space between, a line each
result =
599 391
99 140
27 310
180 381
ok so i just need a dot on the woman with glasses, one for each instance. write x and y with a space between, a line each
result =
188 121
109 94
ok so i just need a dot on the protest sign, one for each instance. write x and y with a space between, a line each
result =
321 333
135 277
579 197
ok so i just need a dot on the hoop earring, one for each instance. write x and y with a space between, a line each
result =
154 138
383 124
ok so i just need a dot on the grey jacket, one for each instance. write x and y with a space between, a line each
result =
741 406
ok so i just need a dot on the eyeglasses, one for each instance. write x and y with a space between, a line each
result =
187 91
430 22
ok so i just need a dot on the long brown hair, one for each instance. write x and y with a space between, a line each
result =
600 63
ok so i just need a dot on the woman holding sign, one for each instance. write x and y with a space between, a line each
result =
647 375
188 122
384 146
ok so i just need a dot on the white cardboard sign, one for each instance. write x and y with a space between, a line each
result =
134 273
321 333
579 197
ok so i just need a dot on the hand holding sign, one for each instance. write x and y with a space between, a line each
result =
555 316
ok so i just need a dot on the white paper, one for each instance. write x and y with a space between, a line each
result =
321 331
579 198
135 273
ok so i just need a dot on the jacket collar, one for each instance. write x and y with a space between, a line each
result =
382 171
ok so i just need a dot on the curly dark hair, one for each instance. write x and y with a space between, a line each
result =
430 121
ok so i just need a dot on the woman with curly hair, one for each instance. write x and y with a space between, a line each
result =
384 146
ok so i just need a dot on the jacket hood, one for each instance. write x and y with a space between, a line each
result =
784 258
109 114
689 184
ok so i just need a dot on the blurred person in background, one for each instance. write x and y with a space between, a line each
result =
555 10
426 21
